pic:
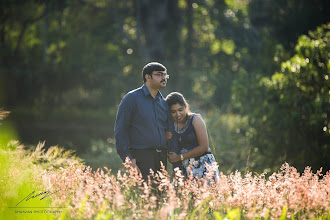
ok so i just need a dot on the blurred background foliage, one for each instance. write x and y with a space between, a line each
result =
257 70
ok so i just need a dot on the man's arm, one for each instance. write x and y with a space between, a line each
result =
123 119
172 144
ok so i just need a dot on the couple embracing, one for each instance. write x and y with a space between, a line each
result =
150 129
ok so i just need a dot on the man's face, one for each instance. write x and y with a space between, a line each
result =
159 79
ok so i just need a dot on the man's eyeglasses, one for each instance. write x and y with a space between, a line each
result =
162 75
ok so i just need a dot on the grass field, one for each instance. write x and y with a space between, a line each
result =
53 184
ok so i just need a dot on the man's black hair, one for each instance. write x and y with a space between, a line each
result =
150 67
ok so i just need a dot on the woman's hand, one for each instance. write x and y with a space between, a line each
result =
169 135
173 157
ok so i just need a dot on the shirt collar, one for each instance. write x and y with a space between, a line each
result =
147 92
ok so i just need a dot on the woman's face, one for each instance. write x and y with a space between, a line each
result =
178 112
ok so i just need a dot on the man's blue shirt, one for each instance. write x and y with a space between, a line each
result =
141 123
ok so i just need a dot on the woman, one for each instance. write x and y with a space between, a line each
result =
192 139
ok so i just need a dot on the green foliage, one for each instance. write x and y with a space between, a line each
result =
65 65
19 177
21 174
291 115
229 137
88 194
7 133
103 154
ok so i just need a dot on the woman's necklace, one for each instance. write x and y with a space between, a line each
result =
181 127
183 124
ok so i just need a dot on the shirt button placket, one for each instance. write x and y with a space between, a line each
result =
156 117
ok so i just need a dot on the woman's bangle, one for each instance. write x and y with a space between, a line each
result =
181 156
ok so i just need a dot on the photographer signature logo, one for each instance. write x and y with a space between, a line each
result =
33 195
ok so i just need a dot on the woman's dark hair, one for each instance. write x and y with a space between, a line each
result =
177 98
150 67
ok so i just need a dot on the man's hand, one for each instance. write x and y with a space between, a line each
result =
173 157
169 135
131 164
134 166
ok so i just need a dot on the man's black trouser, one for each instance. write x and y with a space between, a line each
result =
147 159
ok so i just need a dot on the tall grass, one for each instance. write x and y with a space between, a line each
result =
286 194
100 194
86 194
18 178
21 172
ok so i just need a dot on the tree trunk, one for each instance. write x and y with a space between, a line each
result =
188 45
174 44
140 44
190 34
45 37
153 21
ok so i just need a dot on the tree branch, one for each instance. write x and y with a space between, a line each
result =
25 25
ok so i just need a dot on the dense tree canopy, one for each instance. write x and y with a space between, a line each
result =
291 109
257 71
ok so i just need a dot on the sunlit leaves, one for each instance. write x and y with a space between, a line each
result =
182 3
238 5
225 45
98 3
301 90
55 51
216 47
277 81
130 28
127 69
204 88
228 46
19 20
112 48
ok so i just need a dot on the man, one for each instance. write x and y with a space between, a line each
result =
142 119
